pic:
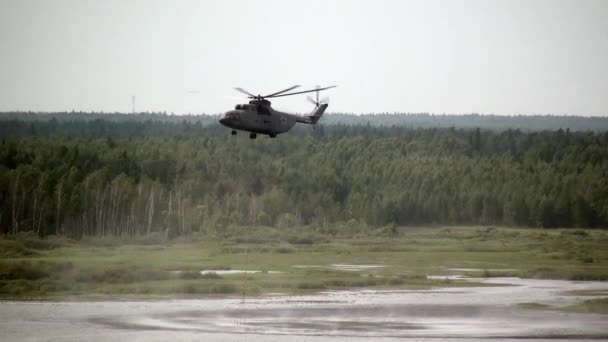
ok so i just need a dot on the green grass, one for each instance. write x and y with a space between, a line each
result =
55 268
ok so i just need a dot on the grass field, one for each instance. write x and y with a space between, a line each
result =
293 261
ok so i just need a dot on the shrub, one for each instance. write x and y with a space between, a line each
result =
286 249
311 286
541 273
15 249
154 238
233 249
210 275
199 288
580 233
22 270
580 276
31 240
55 286
190 275
124 275
218 268
396 281
300 240
223 288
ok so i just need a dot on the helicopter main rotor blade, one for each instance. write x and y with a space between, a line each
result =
244 91
302 92
282 91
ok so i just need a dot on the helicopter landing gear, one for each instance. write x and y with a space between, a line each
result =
233 132
272 135
252 135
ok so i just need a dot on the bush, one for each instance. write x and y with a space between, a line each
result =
286 249
154 238
20 288
300 240
190 275
389 230
15 249
396 281
541 273
311 286
223 288
306 238
234 249
55 286
210 275
580 233
218 268
583 276
31 240
201 288
22 270
123 275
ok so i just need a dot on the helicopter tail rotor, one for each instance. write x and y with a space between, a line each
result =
315 100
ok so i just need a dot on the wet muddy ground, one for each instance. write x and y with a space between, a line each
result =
449 313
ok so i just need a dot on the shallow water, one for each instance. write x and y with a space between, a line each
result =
444 313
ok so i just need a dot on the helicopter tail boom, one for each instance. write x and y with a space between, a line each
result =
314 116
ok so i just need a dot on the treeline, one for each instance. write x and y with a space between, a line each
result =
206 181
17 124
472 121
20 124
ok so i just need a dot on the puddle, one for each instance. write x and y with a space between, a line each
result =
457 313
343 267
483 269
229 272
354 267
448 277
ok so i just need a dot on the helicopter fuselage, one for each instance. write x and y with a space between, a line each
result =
259 117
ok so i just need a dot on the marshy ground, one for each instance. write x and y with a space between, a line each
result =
293 262
405 282
501 312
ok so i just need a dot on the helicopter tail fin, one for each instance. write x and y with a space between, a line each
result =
317 113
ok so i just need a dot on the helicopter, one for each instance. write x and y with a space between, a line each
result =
258 117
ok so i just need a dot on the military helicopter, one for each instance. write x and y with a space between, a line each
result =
258 117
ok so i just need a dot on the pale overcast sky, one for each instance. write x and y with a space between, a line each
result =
502 57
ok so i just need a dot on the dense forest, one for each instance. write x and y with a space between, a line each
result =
143 124
113 174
